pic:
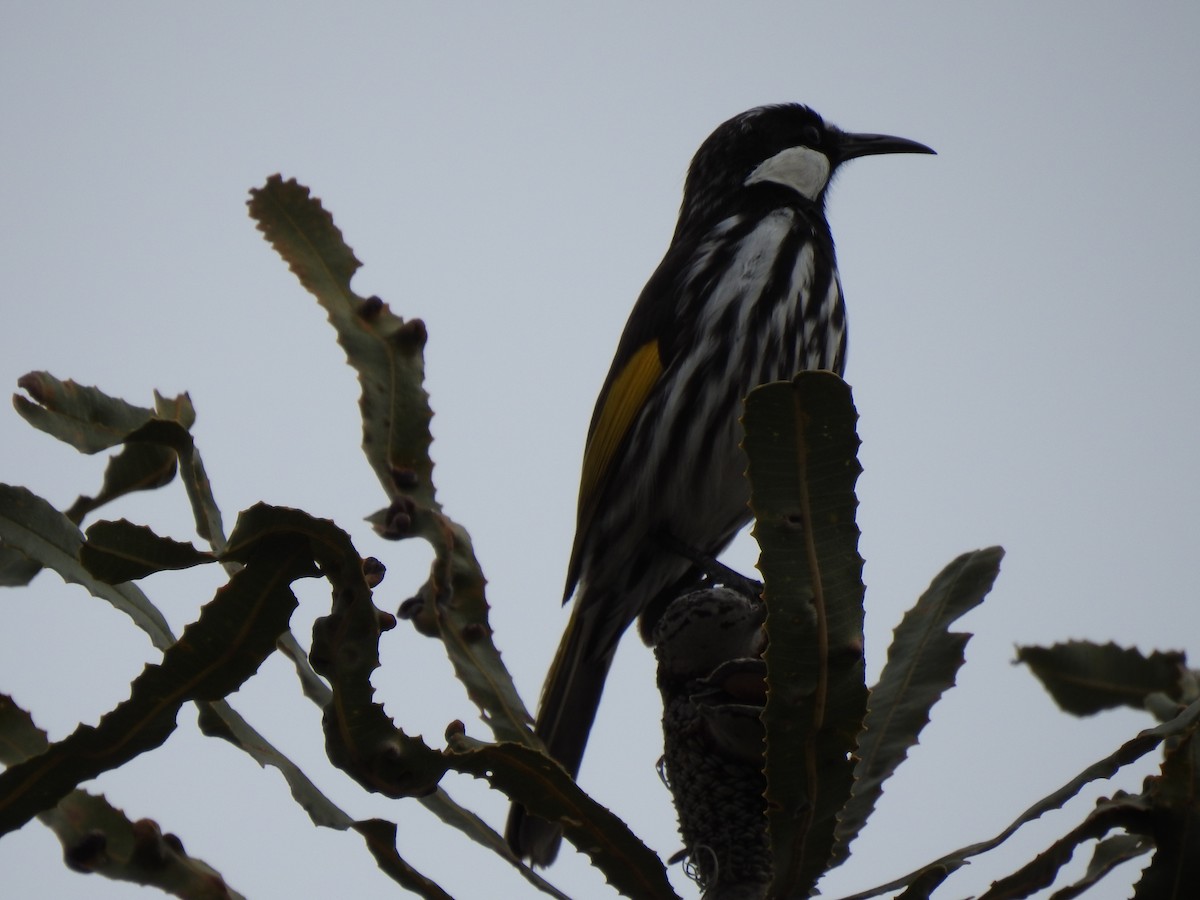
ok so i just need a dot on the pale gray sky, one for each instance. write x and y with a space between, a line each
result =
1023 319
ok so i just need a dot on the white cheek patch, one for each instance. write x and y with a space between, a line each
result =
802 169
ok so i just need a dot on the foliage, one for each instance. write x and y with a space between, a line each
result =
830 743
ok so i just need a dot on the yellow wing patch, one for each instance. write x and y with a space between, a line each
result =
629 391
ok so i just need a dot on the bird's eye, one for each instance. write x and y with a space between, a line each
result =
810 136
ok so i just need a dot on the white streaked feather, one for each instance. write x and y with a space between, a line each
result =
721 300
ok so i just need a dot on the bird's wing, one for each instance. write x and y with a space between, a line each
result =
624 400
644 352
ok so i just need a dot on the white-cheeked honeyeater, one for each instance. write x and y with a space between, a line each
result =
747 293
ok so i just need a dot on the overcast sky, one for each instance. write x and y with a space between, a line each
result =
1023 322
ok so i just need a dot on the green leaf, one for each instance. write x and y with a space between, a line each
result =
1085 678
84 417
380 836
175 409
16 569
454 595
548 791
1041 872
1109 853
383 348
801 445
921 665
219 719
20 738
1131 751
236 631
98 838
387 352
360 737
205 511
57 541
91 421
1174 873
138 467
921 887
456 816
39 531
313 686
121 551
262 523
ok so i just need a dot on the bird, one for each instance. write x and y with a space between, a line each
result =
747 293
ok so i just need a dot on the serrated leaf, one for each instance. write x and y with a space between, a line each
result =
134 852
1130 751
175 409
91 421
20 738
548 791
1085 678
38 530
1109 853
219 719
206 513
470 824
924 884
138 467
922 662
1042 871
384 349
380 836
360 738
387 352
122 551
84 417
1174 872
236 631
801 445
263 522
312 684
57 541
456 596
16 569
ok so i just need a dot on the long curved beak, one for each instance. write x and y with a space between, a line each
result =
852 146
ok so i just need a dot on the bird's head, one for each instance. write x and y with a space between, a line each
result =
787 146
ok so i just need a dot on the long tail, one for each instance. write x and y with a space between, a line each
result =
568 708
